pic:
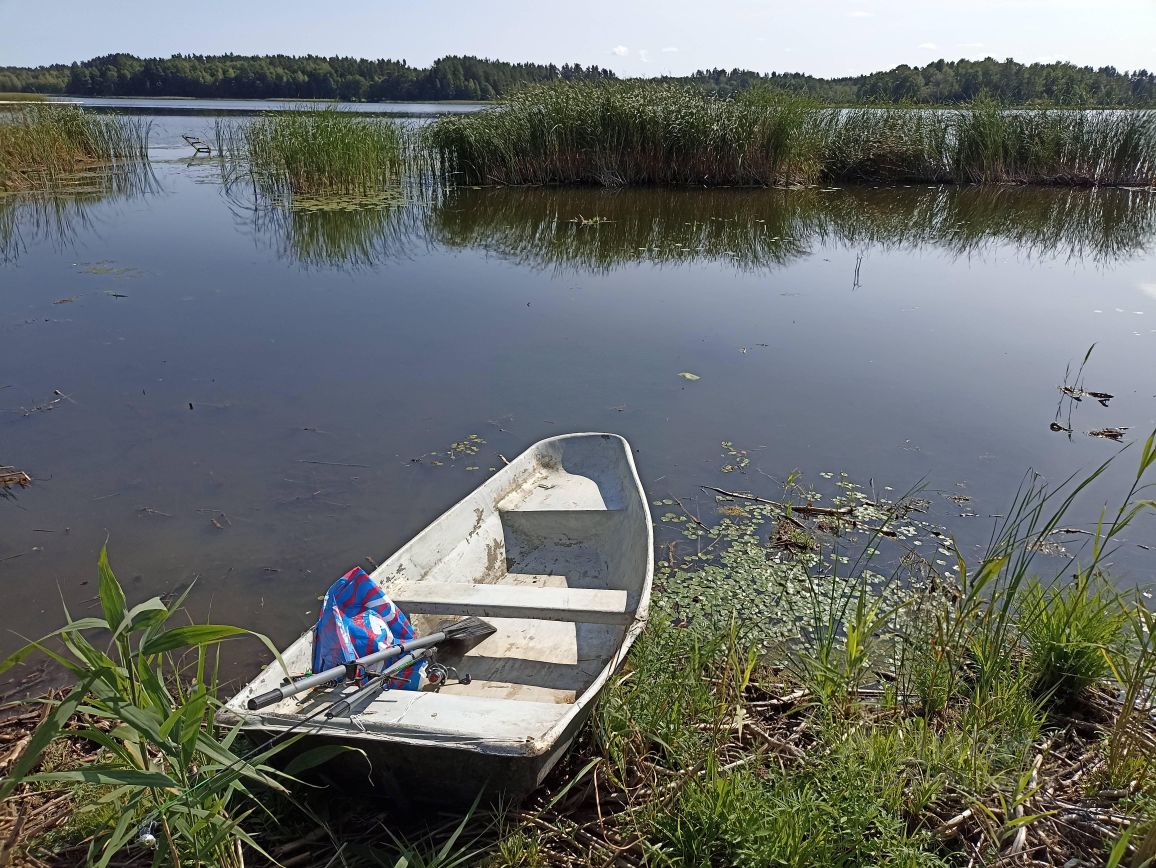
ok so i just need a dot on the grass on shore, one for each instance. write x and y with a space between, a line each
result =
941 714
22 97
632 133
142 701
289 157
43 147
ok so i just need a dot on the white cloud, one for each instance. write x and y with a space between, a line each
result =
670 49
930 46
860 13
644 55
620 50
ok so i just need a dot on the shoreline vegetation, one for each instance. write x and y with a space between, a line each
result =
44 147
616 134
830 685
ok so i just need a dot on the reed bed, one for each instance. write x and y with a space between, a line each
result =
311 153
44 147
626 134
632 133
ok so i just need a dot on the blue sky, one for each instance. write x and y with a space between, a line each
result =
632 37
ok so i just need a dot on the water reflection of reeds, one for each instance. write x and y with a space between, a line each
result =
349 238
591 230
57 216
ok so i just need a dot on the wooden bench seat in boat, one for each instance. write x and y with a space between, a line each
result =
441 717
578 605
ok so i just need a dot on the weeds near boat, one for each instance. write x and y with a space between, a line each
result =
148 707
981 715
638 133
43 147
742 229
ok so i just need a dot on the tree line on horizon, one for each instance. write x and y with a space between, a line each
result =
473 78
287 77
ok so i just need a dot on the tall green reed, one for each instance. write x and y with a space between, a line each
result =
622 133
291 156
145 692
43 146
638 133
1052 146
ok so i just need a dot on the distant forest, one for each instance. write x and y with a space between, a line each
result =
474 78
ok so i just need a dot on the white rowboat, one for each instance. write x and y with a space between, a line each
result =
555 550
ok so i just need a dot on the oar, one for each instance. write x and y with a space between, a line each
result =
467 632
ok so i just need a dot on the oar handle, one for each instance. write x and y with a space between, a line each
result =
275 695
266 699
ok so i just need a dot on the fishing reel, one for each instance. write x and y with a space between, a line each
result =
437 674
145 836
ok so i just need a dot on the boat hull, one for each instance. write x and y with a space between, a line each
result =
556 552
449 777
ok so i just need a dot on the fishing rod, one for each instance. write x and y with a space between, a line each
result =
345 706
472 629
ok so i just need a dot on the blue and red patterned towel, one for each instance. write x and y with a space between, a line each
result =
357 618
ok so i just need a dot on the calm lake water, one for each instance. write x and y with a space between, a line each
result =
174 106
251 398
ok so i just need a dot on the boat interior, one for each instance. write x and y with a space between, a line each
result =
553 551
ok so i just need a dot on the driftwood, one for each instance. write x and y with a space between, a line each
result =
10 477
1109 433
